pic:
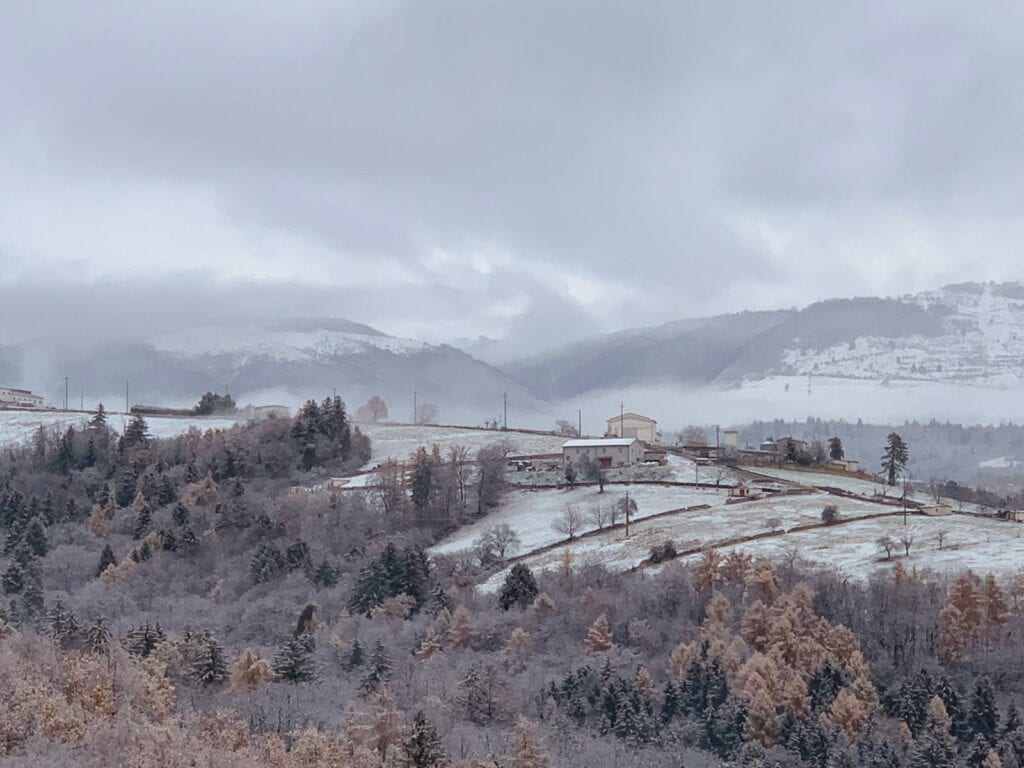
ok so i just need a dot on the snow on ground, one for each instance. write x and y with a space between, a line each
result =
699 528
18 426
862 486
401 441
979 544
677 470
530 513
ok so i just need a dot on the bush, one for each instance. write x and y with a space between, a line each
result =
830 514
660 554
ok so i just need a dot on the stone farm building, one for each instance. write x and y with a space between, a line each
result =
607 452
22 397
634 425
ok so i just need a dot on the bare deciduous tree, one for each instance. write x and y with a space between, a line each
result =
773 523
599 515
888 544
569 522
566 428
907 540
692 435
427 413
940 536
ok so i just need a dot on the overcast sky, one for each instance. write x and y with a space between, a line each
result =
546 169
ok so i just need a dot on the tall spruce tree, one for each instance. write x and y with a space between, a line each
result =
293 661
895 457
423 748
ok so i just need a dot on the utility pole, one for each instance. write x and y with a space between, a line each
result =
579 424
415 415
504 402
81 400
126 406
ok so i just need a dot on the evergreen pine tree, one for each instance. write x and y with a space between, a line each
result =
142 641
324 575
99 419
355 656
137 433
671 703
895 457
35 537
180 514
143 519
14 578
210 667
378 669
97 635
423 748
62 625
519 589
983 717
293 662
31 596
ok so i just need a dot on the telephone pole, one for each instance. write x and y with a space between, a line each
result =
579 426
415 415
504 402
65 393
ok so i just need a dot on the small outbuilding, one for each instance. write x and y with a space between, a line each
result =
606 452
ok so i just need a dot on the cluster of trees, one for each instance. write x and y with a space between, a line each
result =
211 403
438 492
186 600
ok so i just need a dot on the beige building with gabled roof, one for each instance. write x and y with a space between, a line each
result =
634 425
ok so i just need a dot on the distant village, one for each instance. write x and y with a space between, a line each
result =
632 439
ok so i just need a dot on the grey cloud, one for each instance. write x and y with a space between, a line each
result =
618 142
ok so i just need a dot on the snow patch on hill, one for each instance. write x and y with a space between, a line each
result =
982 342
245 341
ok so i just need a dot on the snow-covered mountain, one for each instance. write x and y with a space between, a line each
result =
270 361
286 341
969 333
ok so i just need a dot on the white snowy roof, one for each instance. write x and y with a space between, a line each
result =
601 442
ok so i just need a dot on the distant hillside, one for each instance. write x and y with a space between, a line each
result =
287 360
966 334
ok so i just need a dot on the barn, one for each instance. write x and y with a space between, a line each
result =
606 452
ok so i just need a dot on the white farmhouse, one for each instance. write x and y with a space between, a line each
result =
22 397
607 452
634 425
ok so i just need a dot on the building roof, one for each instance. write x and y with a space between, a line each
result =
631 415
600 442
19 391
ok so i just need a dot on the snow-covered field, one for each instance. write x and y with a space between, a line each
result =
530 513
18 426
862 486
701 528
981 545
401 441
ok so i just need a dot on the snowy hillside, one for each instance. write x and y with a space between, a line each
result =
19 426
981 341
282 343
